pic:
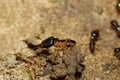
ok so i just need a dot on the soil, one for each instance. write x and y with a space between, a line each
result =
36 20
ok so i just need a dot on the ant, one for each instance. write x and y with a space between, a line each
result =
117 52
51 41
94 37
118 5
116 27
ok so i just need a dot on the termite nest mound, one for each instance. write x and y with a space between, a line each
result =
58 63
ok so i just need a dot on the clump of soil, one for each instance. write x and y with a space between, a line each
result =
68 66
59 64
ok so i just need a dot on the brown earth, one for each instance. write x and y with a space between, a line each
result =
74 19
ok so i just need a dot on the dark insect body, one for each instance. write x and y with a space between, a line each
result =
118 6
94 37
47 42
116 27
117 52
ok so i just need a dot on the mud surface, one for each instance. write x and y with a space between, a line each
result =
35 21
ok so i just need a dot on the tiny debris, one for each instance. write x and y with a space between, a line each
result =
99 10
46 71
24 58
31 71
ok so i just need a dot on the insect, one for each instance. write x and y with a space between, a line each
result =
51 41
117 52
24 58
118 5
94 37
30 61
116 27
47 42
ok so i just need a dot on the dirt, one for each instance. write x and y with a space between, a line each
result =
63 62
35 21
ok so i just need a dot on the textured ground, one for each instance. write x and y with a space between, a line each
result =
75 19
